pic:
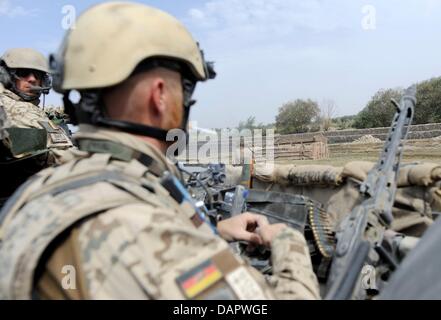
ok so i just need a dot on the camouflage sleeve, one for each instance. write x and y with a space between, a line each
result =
4 123
142 252
293 276
23 114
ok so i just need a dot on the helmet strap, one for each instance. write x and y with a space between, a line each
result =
91 110
44 89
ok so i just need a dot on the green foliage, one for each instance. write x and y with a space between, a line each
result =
297 116
305 115
317 124
428 108
345 122
379 110
251 124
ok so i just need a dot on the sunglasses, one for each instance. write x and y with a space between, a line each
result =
24 73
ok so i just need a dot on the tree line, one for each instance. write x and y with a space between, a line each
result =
302 115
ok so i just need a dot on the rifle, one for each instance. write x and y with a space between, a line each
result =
360 234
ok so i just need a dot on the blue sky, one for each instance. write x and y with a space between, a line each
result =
268 52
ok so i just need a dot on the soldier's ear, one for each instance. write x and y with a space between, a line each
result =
5 78
158 96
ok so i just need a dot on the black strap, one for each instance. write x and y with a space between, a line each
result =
134 128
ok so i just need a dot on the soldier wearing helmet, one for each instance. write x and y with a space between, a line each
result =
25 73
30 140
115 222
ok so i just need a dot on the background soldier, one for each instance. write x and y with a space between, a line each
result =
24 150
25 75
112 214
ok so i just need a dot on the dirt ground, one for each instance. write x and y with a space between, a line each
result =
424 150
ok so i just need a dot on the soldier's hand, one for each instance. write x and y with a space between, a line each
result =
242 228
268 232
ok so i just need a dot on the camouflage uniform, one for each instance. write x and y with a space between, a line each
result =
105 214
22 114
4 122
30 141
21 107
27 121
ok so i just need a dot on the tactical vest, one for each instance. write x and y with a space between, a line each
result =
48 205
27 151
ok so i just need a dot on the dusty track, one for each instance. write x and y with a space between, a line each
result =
423 150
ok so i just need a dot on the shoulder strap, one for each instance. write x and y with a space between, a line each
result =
120 152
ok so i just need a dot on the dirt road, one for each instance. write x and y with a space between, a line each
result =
424 150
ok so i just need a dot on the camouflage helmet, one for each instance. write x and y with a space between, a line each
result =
25 58
112 41
109 41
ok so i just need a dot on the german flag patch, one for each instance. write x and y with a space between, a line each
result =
196 220
199 278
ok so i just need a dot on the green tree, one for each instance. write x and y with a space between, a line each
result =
379 111
344 122
250 123
297 116
428 107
